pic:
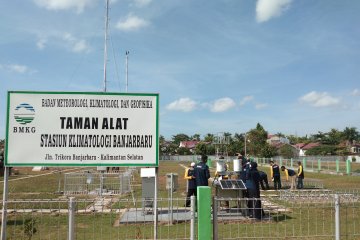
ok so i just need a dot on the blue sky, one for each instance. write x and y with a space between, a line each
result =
219 66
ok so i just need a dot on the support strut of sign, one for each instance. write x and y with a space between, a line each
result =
4 207
156 204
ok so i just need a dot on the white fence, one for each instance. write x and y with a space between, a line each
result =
98 183
290 215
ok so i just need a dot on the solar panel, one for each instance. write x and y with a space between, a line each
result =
232 184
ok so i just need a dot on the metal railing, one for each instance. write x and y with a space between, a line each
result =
315 214
98 183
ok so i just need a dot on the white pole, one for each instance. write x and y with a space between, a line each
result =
105 44
71 233
337 217
4 207
156 205
127 69
171 198
192 220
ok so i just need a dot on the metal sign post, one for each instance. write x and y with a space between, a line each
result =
156 204
4 207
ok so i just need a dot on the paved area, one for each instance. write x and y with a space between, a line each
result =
136 215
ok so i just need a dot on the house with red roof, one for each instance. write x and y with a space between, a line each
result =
189 144
303 147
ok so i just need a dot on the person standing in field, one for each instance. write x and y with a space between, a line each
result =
191 183
292 174
264 181
202 172
275 175
300 175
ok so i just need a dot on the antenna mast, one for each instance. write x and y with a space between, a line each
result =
106 38
127 69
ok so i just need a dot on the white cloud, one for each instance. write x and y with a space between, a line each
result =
261 106
183 104
246 99
131 23
76 45
267 9
355 92
16 68
318 99
222 105
41 43
79 5
142 3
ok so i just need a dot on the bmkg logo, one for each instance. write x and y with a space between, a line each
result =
24 114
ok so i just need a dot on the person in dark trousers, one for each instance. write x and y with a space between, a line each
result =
253 186
289 173
201 172
300 175
275 175
191 189
264 181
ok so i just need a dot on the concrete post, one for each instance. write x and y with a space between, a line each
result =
291 163
337 217
171 198
337 166
319 165
204 212
215 219
71 230
192 220
348 167
304 164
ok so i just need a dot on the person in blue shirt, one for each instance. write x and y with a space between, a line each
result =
264 181
253 187
202 172
275 175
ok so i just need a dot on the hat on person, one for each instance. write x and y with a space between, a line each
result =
192 164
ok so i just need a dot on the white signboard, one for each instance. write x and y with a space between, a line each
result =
82 129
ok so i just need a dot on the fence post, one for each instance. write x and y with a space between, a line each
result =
319 165
337 166
291 163
215 222
192 220
171 189
304 164
280 161
204 212
71 219
4 206
337 217
348 166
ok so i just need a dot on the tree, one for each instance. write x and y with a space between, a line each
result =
256 140
350 134
183 151
196 137
268 151
179 138
237 144
322 150
287 151
334 137
203 148
209 137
